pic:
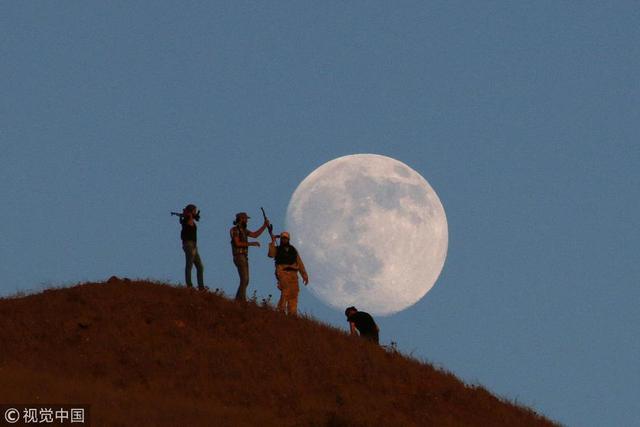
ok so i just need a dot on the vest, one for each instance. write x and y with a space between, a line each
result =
242 234
286 257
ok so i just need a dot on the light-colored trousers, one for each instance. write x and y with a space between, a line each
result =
289 290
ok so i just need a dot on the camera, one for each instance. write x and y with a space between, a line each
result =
189 208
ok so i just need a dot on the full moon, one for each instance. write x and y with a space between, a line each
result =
371 232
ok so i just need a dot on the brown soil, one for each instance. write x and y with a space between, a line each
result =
143 353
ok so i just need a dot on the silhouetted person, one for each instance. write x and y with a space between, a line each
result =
240 249
288 264
189 236
363 323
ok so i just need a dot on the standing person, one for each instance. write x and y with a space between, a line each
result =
240 249
363 323
288 264
189 235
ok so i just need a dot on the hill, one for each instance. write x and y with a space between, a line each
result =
143 353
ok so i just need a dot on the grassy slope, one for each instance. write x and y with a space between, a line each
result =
148 354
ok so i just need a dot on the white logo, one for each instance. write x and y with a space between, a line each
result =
12 415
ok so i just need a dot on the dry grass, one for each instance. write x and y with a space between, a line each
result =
143 353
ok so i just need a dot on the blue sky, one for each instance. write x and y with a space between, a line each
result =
523 116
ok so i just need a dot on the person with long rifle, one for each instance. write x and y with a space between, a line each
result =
240 249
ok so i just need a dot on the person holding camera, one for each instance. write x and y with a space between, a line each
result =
189 235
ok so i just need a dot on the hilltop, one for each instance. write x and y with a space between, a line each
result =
143 353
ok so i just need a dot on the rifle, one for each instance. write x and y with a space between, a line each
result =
270 227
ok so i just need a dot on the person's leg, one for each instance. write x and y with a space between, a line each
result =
199 269
282 302
293 304
293 299
289 285
242 264
189 250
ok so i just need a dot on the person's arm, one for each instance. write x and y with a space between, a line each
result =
186 218
352 326
272 249
240 244
258 232
302 270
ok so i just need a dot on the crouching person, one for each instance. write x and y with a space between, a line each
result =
288 265
363 323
